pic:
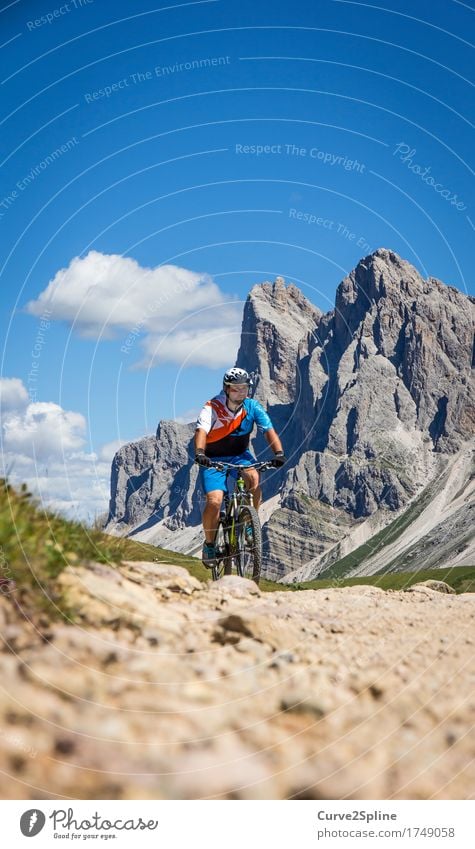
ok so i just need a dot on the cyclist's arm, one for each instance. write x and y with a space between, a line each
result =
273 440
203 427
200 439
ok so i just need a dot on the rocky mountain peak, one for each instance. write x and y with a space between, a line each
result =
422 327
381 276
277 322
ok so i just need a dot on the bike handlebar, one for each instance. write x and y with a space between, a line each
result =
260 467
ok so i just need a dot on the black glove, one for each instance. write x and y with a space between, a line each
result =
279 459
202 459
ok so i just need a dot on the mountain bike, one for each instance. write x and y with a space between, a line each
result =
238 539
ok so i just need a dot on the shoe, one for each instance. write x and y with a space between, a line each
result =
249 534
208 555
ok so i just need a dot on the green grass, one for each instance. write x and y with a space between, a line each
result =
461 578
386 536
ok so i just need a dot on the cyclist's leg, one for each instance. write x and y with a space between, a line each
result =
211 513
214 485
251 479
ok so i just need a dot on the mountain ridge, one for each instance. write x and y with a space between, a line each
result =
369 398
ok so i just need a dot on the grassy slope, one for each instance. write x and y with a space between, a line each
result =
384 537
36 545
461 578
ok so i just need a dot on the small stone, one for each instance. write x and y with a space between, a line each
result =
438 586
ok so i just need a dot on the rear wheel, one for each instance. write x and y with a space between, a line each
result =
223 565
249 560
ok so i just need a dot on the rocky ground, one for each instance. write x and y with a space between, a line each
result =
168 688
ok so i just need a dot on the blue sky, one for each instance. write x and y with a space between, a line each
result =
159 159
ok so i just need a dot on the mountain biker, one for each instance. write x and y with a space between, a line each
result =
223 430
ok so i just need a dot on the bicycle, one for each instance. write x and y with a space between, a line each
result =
238 538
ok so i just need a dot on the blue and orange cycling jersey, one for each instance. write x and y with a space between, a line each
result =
227 432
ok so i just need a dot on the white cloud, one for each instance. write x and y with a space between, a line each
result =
107 451
77 486
209 348
43 430
113 296
13 395
188 416
44 446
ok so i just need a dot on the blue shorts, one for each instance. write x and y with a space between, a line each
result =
212 479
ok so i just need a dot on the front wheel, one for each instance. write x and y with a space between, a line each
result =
249 558
223 564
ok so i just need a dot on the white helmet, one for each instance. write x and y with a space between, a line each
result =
237 375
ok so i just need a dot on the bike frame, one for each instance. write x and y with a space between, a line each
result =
239 496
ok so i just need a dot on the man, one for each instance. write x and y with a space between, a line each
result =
223 431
